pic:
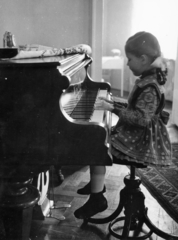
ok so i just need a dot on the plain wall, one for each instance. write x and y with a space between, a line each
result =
117 25
55 23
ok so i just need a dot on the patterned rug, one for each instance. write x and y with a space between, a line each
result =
163 184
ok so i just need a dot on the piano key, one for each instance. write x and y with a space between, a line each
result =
98 115
79 105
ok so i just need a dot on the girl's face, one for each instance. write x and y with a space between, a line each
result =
135 64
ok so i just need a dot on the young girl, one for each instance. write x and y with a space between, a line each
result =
140 136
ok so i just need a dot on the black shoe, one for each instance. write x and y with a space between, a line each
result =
95 204
86 190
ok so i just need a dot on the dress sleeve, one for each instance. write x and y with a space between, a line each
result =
143 110
118 106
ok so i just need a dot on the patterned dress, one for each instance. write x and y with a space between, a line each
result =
140 136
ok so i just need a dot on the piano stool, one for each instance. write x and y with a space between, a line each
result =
132 201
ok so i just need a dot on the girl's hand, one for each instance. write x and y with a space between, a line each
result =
106 100
102 104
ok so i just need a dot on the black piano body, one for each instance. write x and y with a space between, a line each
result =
29 103
34 130
30 121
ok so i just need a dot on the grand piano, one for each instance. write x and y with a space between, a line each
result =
47 118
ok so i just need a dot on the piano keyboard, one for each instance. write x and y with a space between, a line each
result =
98 115
84 137
79 105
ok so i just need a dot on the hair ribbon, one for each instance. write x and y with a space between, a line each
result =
159 62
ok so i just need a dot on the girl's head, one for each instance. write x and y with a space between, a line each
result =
141 50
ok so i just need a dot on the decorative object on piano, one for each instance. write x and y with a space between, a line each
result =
9 50
36 50
8 40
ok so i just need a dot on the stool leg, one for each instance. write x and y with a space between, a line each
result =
127 224
139 228
134 215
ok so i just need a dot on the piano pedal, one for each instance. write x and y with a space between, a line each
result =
58 206
42 210
63 205
46 206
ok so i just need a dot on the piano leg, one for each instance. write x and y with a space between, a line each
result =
26 218
17 224
17 205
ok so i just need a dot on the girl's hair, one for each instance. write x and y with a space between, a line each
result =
143 43
146 43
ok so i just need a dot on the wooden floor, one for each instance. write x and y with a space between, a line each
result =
52 228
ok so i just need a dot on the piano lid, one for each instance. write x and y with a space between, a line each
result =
65 60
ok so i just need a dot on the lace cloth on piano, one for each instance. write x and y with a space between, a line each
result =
36 51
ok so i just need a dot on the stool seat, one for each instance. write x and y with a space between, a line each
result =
132 201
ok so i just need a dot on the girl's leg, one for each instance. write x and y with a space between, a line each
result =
96 183
97 175
96 202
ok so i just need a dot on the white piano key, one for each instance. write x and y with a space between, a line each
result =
98 115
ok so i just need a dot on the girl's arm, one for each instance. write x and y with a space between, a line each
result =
103 103
145 108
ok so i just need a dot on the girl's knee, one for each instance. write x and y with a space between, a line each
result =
98 169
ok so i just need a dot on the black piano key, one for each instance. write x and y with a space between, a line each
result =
81 105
